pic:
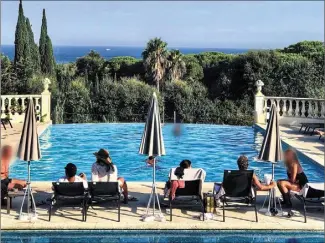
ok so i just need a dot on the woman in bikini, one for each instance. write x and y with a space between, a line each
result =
296 177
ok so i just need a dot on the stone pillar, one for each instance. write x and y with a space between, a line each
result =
259 113
46 101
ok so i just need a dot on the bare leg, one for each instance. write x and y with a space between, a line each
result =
124 186
286 186
15 183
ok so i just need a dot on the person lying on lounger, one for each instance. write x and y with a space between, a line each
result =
6 182
105 170
242 163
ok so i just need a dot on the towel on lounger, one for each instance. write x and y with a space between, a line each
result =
190 174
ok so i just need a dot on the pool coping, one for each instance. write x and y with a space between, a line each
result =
164 230
309 157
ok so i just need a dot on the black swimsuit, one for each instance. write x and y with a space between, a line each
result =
301 179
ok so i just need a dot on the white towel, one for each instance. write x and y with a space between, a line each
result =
190 174
303 192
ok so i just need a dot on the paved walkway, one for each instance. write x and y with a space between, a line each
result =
310 146
184 217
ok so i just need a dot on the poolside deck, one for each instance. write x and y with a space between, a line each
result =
183 217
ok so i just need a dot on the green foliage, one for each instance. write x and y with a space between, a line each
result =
155 60
90 67
21 37
77 108
8 80
125 66
176 67
35 85
194 70
33 48
45 49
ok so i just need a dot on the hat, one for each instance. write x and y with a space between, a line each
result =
102 154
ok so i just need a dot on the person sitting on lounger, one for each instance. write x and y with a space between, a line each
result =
6 182
296 176
179 172
71 175
242 163
104 170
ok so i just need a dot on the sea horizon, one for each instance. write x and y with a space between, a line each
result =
68 53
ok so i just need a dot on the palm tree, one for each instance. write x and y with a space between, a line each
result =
176 65
155 59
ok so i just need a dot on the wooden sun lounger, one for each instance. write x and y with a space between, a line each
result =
4 121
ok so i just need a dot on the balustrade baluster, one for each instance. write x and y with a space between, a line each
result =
284 108
2 104
322 113
310 112
289 112
303 108
316 110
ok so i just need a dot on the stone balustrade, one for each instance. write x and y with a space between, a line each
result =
14 106
291 110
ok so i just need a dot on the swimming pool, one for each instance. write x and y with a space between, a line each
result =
212 147
163 236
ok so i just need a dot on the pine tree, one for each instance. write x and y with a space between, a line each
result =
33 48
46 49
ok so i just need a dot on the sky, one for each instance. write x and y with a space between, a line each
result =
254 24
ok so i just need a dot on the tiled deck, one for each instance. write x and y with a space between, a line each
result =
184 217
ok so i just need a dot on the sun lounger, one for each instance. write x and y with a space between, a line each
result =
236 187
193 179
312 196
68 194
312 126
4 121
104 192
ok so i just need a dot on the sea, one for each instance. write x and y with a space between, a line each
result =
66 54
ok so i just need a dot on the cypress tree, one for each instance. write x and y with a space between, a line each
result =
22 60
46 49
33 48
49 57
20 36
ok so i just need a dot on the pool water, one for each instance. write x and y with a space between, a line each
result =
211 147
164 236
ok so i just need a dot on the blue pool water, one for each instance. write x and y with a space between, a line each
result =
212 147
165 236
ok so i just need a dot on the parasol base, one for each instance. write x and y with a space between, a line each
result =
151 218
28 217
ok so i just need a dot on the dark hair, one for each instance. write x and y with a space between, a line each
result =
151 157
242 162
102 155
185 164
70 170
